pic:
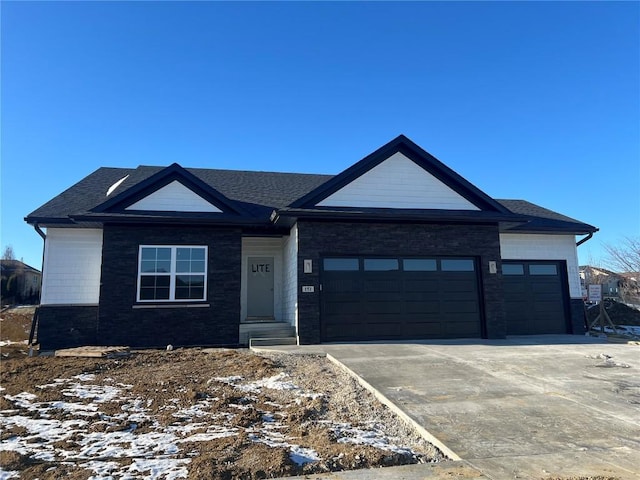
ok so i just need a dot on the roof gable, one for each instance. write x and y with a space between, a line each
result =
172 189
400 175
398 182
173 197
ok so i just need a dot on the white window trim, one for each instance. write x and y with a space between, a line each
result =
172 274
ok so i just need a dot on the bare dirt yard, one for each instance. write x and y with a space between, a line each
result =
193 413
625 317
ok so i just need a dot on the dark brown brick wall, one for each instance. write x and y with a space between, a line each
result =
578 319
66 326
319 239
215 324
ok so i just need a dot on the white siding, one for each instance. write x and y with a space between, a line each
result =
520 246
262 247
72 263
290 281
174 197
398 182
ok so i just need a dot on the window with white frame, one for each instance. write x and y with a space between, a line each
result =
172 273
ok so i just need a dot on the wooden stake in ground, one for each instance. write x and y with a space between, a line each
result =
602 316
595 295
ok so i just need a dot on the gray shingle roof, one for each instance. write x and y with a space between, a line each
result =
271 190
84 195
543 219
263 191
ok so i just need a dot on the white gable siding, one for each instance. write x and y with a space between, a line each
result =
262 247
174 197
520 246
398 183
72 263
290 281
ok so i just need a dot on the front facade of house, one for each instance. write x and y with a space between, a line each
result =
396 247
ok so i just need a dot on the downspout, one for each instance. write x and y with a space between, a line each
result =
40 232
34 321
585 239
586 315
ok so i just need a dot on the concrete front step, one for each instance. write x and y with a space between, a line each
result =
268 342
278 330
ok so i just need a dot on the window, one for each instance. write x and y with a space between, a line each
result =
512 269
341 264
420 265
543 269
457 265
381 264
167 273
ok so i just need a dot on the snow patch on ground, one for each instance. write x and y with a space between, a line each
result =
275 382
97 440
6 343
371 435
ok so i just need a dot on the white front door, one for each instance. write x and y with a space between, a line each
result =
260 272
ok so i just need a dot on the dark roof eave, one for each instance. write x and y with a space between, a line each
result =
170 219
48 221
580 229
400 215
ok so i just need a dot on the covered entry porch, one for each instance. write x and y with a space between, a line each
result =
267 309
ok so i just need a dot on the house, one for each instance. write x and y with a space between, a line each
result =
20 282
397 246
624 286
609 280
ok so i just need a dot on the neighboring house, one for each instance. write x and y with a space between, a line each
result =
610 281
619 285
397 246
20 282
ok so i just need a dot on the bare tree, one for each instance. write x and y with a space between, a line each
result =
8 253
624 256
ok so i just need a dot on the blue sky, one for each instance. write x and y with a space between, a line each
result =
531 100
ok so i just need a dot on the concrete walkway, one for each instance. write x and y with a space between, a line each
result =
526 407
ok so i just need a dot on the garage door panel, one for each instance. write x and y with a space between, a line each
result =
384 301
381 320
383 285
447 297
516 299
422 307
420 285
343 332
427 329
548 308
461 329
341 285
460 286
422 317
421 297
511 287
373 295
376 308
459 307
343 308
534 297
546 289
550 298
381 297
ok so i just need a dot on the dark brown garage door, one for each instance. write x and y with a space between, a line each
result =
399 298
535 297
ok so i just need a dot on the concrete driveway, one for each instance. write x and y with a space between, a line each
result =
526 407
